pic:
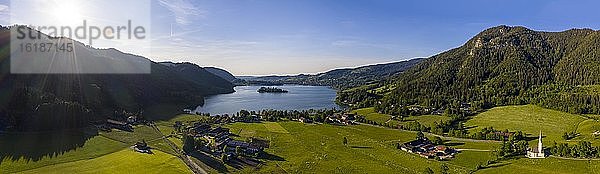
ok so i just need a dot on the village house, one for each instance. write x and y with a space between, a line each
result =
426 149
188 111
132 119
305 120
217 138
199 129
246 149
119 125
342 119
141 147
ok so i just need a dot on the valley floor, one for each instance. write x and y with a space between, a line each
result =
317 148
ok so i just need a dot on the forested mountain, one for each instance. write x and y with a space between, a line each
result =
344 78
225 75
30 102
503 66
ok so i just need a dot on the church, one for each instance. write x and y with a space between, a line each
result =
537 152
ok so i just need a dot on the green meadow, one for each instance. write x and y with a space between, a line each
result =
317 148
532 119
124 161
427 120
370 114
313 148
107 152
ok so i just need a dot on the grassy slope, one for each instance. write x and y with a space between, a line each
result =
585 130
545 166
124 161
554 124
529 119
319 148
95 147
100 150
370 114
427 120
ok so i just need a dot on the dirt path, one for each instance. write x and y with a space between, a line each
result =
575 159
475 150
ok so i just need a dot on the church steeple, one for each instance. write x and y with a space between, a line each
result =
540 149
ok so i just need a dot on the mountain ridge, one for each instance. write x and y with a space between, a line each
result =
342 78
35 102
499 66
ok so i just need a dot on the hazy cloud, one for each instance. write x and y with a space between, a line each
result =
184 11
4 14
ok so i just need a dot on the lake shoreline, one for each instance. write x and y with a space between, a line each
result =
299 97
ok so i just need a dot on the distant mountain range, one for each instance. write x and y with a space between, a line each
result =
31 102
340 78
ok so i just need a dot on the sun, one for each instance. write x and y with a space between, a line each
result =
67 13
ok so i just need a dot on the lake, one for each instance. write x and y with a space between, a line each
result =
246 97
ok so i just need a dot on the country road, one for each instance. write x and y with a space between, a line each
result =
185 158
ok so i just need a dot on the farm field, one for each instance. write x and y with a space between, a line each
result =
108 151
319 148
370 114
94 147
124 161
427 120
549 165
531 119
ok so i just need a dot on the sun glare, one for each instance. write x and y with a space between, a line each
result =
67 13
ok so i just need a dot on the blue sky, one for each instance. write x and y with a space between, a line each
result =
263 37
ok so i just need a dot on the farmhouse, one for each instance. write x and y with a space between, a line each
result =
245 148
426 149
305 120
141 147
119 125
200 128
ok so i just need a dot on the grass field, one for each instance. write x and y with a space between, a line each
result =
140 133
124 161
275 127
549 165
370 114
427 120
315 148
529 119
107 153
95 147
311 148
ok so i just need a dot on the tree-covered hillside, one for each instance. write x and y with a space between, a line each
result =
30 102
344 78
503 66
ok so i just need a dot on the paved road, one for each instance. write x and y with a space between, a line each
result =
475 150
576 159
185 158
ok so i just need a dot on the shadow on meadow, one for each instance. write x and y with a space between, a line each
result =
210 161
35 146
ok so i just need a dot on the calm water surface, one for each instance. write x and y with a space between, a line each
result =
246 97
